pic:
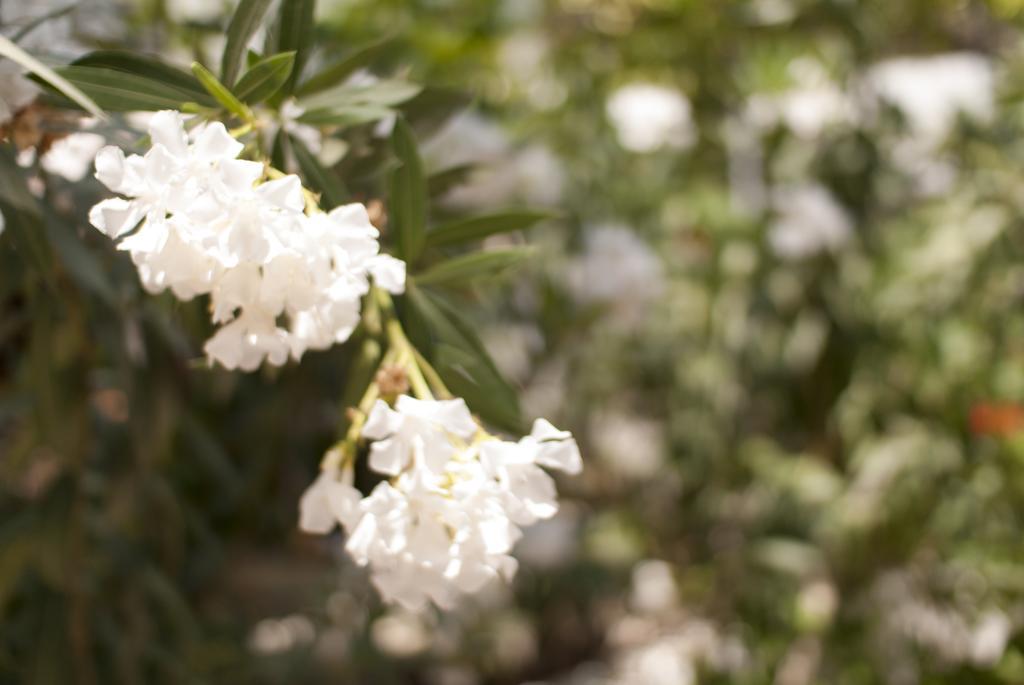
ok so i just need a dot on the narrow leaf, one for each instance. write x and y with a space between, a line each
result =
466 268
485 393
338 72
408 197
119 91
480 227
220 92
295 34
318 177
345 116
30 63
383 93
442 181
81 264
243 26
432 108
147 67
462 360
265 78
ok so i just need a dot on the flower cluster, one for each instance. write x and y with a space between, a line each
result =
445 521
282 276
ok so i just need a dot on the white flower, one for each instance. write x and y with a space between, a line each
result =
647 117
810 222
446 521
810 106
209 226
416 427
72 155
330 500
931 91
527 491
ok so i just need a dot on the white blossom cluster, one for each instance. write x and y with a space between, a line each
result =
445 521
198 220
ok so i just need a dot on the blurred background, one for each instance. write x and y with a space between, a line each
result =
780 308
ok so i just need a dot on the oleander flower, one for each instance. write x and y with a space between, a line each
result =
282 277
445 523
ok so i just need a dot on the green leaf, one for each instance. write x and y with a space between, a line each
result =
466 268
243 26
442 181
265 78
345 116
382 94
279 151
13 187
348 105
148 67
432 108
220 92
51 77
480 227
461 358
23 219
295 33
80 263
485 393
408 196
360 374
318 177
119 91
338 72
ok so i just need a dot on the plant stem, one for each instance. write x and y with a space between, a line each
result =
416 365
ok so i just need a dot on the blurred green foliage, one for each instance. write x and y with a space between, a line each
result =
838 480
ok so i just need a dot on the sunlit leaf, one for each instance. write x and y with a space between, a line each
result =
408 196
318 177
295 34
480 227
265 78
220 92
336 73
243 26
53 78
469 267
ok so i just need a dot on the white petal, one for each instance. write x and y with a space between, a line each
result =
381 422
167 128
362 539
285 193
388 456
353 217
452 415
239 175
563 455
110 167
214 142
536 490
543 430
315 515
158 166
497 454
344 503
388 273
115 216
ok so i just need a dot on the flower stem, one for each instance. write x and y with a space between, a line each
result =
415 364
